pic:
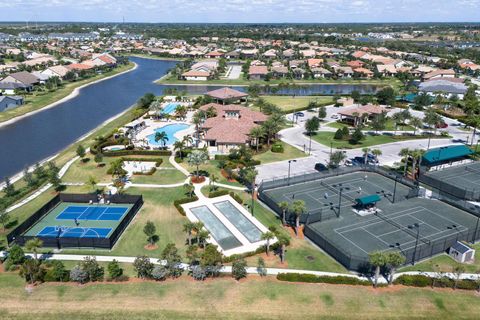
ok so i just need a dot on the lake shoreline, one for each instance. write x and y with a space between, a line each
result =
70 96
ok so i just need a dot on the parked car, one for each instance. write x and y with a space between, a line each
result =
348 162
334 116
299 114
320 167
441 125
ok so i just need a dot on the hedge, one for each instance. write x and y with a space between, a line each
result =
311 278
120 153
324 104
424 281
179 202
277 148
218 193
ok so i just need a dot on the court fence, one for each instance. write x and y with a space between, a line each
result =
309 176
446 187
18 234
422 251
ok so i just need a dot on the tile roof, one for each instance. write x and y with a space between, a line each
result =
226 93
231 129
262 70
369 108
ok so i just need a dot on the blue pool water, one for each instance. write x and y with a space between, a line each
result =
170 108
170 130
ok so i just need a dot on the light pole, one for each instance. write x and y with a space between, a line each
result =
289 164
416 226
394 190
476 229
331 148
429 138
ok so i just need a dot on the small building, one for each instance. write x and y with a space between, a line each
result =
227 95
10 102
360 114
196 75
461 252
24 78
447 154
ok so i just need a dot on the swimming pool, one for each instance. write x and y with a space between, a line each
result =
170 108
170 130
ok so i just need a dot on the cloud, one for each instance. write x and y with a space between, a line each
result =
243 10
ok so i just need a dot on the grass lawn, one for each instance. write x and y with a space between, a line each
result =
211 167
389 126
444 263
157 208
326 138
287 103
41 99
165 176
225 298
289 152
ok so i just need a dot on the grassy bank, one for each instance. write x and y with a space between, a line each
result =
39 100
225 298
288 103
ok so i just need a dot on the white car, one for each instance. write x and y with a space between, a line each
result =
334 116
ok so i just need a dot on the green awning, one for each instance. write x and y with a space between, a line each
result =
448 153
370 199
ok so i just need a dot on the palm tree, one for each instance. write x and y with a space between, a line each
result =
397 118
161 136
365 154
474 122
189 189
376 153
416 123
179 146
188 227
202 237
284 206
33 245
405 152
196 158
197 120
298 207
283 241
213 179
197 227
250 176
267 236
378 260
257 133
181 111
417 155
187 140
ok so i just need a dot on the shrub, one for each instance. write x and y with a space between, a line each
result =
159 273
239 269
56 271
16 255
338 135
277 148
198 273
218 193
79 275
94 271
310 278
236 197
114 270
179 202
413 280
143 267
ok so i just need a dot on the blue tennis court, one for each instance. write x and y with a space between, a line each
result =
92 212
74 232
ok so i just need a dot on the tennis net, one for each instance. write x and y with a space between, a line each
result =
401 227
329 187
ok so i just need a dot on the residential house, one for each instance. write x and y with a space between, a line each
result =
344 72
314 63
320 73
10 102
386 70
230 128
232 55
56 71
355 64
445 87
196 75
280 72
257 72
360 114
270 54
26 79
440 73
363 73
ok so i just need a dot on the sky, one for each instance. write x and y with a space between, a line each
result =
238 11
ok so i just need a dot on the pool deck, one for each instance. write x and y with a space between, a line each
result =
152 125
246 246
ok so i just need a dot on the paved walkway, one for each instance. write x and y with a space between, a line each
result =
250 270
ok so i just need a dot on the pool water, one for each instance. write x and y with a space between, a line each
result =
170 130
170 108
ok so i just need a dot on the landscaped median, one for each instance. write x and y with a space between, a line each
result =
327 138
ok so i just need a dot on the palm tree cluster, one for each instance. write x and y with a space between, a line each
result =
415 155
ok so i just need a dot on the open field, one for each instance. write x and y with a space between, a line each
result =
389 126
225 298
42 99
287 103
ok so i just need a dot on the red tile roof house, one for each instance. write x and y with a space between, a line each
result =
230 128
360 114
227 95
439 74
257 72
196 75
363 73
